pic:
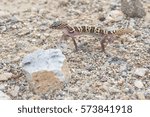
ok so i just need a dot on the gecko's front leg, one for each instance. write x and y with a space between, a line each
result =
61 40
72 34
65 37
75 44
102 39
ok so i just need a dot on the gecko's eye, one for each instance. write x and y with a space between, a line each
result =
56 24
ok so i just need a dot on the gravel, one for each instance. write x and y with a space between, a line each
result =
94 75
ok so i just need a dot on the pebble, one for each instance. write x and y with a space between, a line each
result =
74 89
133 8
148 90
140 95
42 11
124 74
114 16
2 87
100 97
147 18
131 39
14 92
140 71
5 76
114 90
123 67
3 96
138 84
101 17
121 81
34 9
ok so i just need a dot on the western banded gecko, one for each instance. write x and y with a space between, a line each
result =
104 35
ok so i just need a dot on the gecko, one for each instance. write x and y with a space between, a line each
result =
104 36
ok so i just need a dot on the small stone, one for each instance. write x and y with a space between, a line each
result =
121 81
69 98
123 67
34 9
137 34
100 97
2 87
124 74
42 11
101 17
131 40
46 34
114 90
5 76
114 16
46 70
140 95
147 18
14 92
132 8
74 89
140 71
138 84
3 96
35 97
147 92
42 37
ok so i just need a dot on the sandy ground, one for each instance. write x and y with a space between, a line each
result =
94 75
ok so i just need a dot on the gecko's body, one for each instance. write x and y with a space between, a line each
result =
103 35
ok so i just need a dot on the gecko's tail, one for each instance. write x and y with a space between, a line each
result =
123 31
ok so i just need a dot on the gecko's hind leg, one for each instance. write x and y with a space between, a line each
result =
102 45
75 44
63 38
103 39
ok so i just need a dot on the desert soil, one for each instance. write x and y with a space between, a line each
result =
122 73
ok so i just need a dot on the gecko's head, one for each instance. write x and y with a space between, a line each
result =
58 25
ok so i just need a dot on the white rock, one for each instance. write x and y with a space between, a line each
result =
46 69
138 84
5 76
3 96
140 71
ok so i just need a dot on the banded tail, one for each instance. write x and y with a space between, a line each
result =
87 29
122 31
